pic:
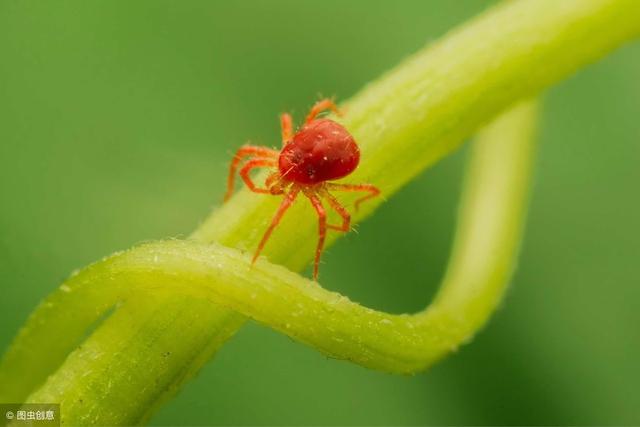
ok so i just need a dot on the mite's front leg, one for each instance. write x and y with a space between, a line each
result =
254 164
286 124
320 106
244 152
286 203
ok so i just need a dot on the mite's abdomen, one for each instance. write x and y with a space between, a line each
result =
322 150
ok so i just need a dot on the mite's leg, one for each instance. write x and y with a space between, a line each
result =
286 203
320 106
286 123
371 189
244 152
253 164
276 184
322 229
337 206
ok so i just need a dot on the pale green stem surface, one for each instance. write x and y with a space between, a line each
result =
491 218
404 122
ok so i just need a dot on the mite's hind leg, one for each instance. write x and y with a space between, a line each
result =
244 152
320 106
286 203
371 189
340 210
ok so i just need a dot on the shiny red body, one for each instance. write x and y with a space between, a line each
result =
320 151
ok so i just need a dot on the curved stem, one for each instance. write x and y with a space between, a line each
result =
404 123
491 218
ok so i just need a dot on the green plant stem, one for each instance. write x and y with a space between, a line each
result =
491 218
404 123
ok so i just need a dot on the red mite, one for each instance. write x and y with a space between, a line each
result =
320 151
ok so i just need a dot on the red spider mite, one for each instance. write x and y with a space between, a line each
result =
320 151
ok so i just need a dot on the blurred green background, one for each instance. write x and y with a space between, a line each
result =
118 118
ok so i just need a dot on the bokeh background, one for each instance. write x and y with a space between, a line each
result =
118 118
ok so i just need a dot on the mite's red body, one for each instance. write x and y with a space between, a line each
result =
322 150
